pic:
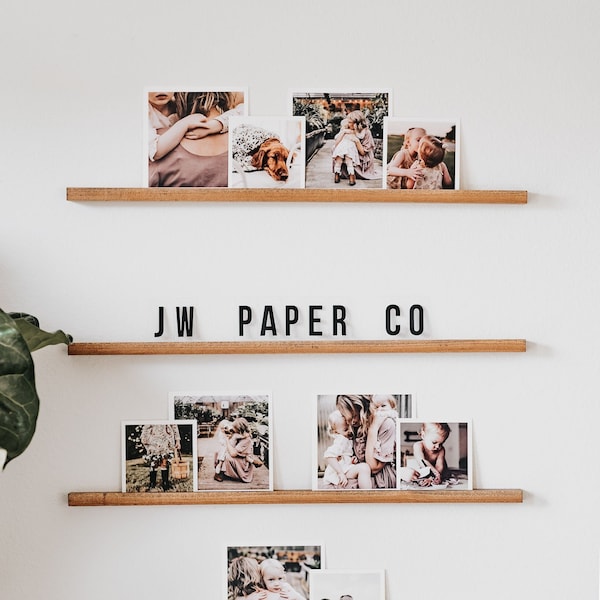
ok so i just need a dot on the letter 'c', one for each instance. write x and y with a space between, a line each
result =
392 311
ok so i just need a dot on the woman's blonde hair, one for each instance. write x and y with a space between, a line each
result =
240 425
243 576
359 406
188 103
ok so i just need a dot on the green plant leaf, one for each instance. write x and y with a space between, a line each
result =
19 402
34 337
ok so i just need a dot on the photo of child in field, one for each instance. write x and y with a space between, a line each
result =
158 456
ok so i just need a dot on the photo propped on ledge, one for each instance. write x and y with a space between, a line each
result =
234 438
271 572
421 154
344 136
187 136
158 456
347 585
342 460
266 152
435 455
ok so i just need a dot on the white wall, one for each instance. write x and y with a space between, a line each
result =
522 78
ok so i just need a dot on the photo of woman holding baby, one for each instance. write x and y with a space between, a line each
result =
357 433
271 572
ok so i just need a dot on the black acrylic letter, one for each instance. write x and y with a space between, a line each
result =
416 308
339 314
312 319
245 316
291 318
184 327
161 321
270 326
392 308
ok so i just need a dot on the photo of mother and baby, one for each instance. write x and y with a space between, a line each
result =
271 572
357 441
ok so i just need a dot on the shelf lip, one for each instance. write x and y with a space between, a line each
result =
297 497
183 194
297 347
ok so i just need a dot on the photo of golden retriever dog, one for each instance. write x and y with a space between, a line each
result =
271 157
266 152
256 149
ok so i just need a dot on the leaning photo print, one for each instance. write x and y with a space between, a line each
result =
234 438
343 423
344 136
347 585
421 154
435 455
158 456
186 135
271 572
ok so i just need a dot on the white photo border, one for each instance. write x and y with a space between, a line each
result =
342 579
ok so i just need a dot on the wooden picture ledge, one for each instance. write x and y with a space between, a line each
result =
297 347
295 497
90 194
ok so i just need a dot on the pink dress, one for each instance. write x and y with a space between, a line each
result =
238 467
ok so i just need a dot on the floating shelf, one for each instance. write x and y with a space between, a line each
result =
294 195
295 497
298 347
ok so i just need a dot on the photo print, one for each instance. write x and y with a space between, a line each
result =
347 585
344 137
187 136
273 572
421 154
158 456
234 438
266 152
435 455
342 425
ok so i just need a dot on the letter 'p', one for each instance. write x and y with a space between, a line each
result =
245 317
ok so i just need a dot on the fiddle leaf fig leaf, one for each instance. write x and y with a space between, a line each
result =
37 338
19 402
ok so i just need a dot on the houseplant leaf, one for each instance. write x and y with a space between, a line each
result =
19 402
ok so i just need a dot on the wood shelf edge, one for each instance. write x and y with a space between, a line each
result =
296 347
296 497
91 194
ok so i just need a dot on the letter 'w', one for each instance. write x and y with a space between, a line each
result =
185 325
